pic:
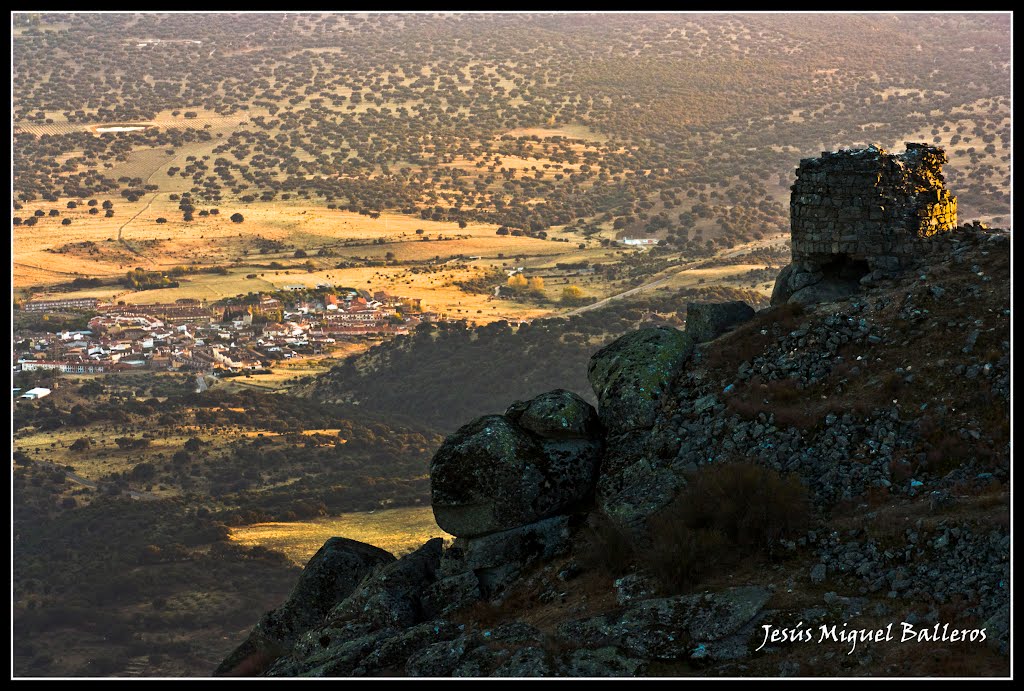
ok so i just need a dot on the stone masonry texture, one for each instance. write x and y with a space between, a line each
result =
870 205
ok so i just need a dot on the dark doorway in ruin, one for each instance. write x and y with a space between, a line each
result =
840 267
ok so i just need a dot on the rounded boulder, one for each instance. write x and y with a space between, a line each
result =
492 475
631 374
557 414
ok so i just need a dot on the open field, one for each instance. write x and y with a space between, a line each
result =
423 265
443 131
396 530
215 239
298 226
50 253
720 275
284 373
102 458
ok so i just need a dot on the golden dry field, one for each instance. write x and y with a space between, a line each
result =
424 266
284 373
50 253
396 530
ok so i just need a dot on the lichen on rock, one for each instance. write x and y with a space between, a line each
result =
504 471
630 375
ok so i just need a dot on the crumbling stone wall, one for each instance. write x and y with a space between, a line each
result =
862 214
868 204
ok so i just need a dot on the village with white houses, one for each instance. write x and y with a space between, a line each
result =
233 336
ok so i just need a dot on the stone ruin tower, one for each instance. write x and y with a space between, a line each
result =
859 215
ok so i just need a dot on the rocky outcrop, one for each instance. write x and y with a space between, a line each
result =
809 285
630 378
631 374
706 321
503 485
487 477
329 577
620 643
805 282
674 628
517 592
376 625
636 485
391 595
782 290
497 560
504 471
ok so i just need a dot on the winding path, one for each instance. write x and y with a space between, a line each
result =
120 237
618 296
675 271
120 234
43 268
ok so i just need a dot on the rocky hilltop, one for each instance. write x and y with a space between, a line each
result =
826 466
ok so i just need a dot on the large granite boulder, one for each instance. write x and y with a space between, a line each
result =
631 374
504 471
629 494
806 283
488 476
782 291
330 576
706 321
391 595
557 414
496 560
630 377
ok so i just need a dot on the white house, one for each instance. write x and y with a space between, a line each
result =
38 392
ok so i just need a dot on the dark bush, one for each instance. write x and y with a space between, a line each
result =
728 511
605 547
